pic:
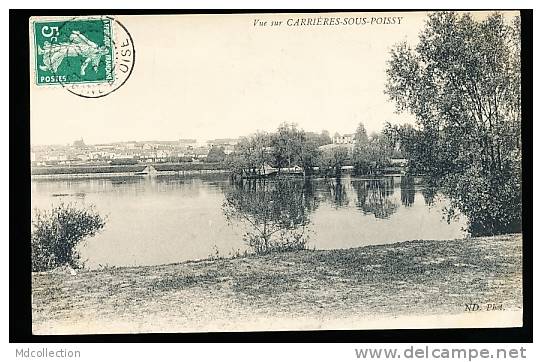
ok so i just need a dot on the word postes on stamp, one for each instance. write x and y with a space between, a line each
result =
75 51
90 57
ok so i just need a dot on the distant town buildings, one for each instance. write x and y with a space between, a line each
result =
188 142
182 150
132 152
79 143
227 144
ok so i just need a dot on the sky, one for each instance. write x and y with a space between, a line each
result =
218 76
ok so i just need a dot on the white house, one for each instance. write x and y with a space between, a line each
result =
345 139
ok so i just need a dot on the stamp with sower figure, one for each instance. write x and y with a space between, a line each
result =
90 57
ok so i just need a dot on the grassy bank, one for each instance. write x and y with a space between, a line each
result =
306 289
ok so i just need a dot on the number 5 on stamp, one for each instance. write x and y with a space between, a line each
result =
74 51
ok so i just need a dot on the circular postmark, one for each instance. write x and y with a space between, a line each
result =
93 56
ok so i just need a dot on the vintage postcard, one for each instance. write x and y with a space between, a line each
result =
276 171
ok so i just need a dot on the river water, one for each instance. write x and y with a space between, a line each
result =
163 220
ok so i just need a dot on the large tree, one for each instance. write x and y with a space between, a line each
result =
251 154
308 154
216 154
372 153
462 81
287 143
360 137
325 138
332 159
404 140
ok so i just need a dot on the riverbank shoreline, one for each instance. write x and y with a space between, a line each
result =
136 170
158 169
411 284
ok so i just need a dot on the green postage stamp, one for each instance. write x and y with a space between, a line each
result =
74 51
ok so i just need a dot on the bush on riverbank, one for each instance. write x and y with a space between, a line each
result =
56 234
492 203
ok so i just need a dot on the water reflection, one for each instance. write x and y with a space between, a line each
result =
377 199
407 191
276 213
170 219
335 192
429 191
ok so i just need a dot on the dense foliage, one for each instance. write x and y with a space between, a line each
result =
56 234
463 83
216 154
332 160
285 148
372 154
290 146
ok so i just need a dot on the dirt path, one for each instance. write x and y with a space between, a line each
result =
353 288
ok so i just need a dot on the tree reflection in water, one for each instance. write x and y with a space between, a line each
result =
374 197
429 191
335 191
276 212
407 191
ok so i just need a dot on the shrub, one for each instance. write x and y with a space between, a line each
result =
286 240
57 232
492 203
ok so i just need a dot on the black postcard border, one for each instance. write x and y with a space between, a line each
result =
20 308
